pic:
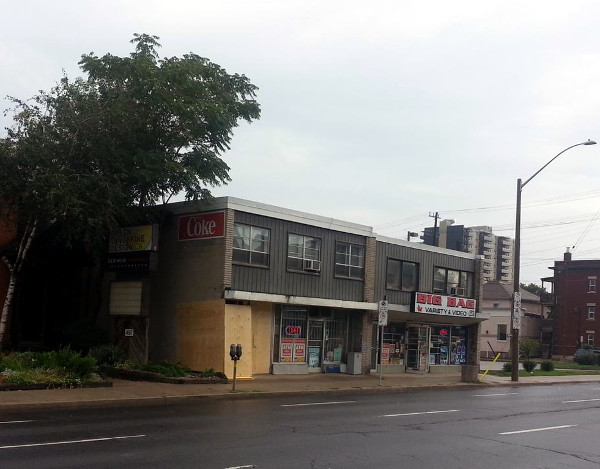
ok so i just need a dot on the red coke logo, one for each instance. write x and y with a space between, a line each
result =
202 226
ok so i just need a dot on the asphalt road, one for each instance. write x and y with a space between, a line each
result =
509 427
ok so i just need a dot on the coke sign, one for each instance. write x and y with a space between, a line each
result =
202 226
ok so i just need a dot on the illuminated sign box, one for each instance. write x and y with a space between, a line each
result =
441 305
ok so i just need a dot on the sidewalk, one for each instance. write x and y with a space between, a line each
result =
146 393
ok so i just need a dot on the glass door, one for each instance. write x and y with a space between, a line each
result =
417 347
315 344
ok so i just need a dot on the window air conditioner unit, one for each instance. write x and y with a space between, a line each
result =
451 290
460 291
312 264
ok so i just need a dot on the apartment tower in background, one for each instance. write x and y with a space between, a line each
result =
497 251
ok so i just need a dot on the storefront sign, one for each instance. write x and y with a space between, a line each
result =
202 226
293 331
134 239
428 303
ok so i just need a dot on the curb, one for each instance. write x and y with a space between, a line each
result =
238 395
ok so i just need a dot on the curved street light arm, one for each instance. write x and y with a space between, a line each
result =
589 142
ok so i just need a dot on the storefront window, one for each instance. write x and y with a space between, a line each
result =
439 351
458 345
290 339
394 343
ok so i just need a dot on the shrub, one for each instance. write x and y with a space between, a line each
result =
83 335
528 348
529 365
107 355
507 367
587 359
547 365
166 369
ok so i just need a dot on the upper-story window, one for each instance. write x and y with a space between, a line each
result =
591 311
349 260
402 275
452 282
304 253
591 285
251 245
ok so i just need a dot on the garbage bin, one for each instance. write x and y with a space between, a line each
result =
353 367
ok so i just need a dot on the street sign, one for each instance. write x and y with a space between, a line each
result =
517 311
383 313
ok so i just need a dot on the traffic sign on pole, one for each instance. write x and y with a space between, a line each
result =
383 313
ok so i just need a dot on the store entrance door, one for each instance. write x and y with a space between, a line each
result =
316 331
417 347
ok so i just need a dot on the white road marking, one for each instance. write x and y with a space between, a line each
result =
15 421
70 442
581 400
318 403
497 394
537 430
421 413
240 467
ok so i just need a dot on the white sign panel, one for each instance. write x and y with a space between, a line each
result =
383 313
429 303
517 311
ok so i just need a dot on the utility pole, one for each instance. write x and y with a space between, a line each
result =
436 237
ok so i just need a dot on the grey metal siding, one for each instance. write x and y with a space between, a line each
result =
427 262
277 280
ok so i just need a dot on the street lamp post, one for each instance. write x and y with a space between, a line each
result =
515 310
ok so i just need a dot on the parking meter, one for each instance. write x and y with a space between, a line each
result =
235 352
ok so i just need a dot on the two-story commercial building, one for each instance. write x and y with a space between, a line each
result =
299 292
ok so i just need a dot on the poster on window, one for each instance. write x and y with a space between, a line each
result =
299 350
293 350
287 350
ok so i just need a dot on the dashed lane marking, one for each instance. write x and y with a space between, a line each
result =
318 403
580 400
496 394
536 430
15 421
421 413
70 442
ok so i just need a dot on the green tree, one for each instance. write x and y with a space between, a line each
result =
534 288
86 155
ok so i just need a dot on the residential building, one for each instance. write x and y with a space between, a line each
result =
497 251
575 298
496 305
301 293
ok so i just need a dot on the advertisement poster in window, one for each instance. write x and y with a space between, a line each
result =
287 348
299 350
314 357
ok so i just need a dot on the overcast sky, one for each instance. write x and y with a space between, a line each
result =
375 112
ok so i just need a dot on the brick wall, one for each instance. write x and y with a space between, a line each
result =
370 252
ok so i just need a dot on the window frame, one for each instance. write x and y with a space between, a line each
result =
591 285
401 272
267 253
591 312
499 334
592 336
349 256
464 276
304 258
